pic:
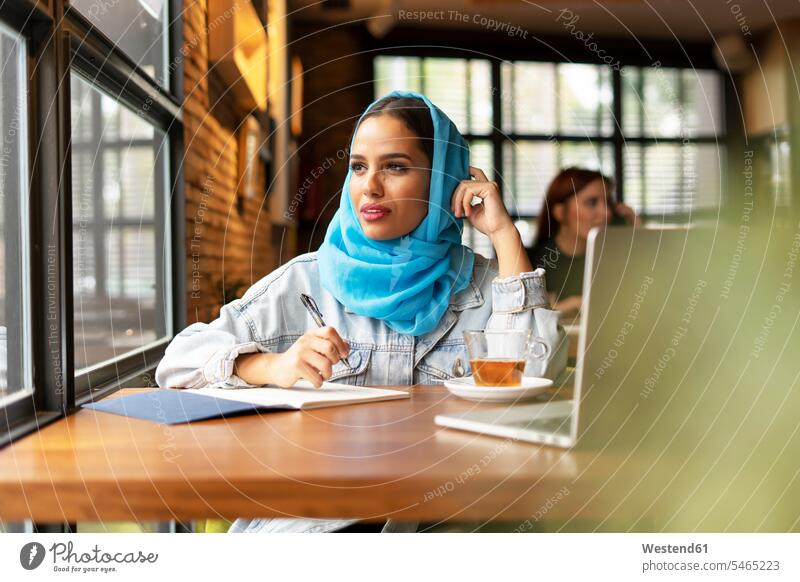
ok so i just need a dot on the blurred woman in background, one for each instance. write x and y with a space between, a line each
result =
577 200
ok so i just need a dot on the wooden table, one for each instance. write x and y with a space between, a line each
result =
371 461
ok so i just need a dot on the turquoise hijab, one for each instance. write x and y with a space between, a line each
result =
406 282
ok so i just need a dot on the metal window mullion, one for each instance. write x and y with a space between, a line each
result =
683 200
98 206
599 110
496 136
513 85
468 93
557 82
63 96
618 137
162 170
642 147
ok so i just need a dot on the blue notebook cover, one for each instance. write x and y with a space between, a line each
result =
168 406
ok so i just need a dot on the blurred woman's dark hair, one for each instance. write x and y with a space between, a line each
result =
568 182
414 113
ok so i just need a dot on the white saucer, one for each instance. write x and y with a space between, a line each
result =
466 388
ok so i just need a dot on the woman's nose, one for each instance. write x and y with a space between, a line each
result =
373 185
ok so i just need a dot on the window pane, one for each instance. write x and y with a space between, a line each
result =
671 103
397 74
15 368
661 190
662 105
704 165
632 99
119 174
633 176
584 100
481 155
669 179
528 167
461 88
589 155
702 112
480 97
529 98
446 85
477 241
138 27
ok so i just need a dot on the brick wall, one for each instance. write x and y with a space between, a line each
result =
225 241
337 86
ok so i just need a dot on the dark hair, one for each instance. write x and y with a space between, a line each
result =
567 183
411 111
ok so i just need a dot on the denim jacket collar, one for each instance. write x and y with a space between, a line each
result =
468 297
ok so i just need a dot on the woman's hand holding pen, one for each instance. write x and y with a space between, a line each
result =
311 358
491 218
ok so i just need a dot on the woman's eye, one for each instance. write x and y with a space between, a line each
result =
396 167
592 202
356 166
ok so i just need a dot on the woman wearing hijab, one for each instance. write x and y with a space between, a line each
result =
392 279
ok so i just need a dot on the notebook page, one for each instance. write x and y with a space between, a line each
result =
303 395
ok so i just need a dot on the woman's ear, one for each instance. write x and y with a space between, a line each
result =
558 212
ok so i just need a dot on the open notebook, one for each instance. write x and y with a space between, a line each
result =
171 406
303 395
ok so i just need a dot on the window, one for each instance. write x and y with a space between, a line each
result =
671 122
119 185
554 115
16 380
137 27
90 225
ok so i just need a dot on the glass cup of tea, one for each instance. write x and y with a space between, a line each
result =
498 356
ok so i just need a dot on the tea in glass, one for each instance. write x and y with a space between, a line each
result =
498 356
498 371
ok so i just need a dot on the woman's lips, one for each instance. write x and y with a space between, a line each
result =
371 213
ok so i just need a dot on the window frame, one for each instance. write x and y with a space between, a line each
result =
61 40
113 73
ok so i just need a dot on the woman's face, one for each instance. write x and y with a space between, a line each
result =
390 178
587 209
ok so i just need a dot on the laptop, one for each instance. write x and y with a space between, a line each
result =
627 295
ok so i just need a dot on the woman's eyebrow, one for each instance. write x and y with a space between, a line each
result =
383 157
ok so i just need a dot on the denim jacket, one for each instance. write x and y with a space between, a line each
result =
270 318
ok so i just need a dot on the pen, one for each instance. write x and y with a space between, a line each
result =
311 305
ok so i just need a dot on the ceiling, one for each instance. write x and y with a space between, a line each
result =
664 19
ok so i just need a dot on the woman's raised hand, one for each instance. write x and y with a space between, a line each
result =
492 219
311 358
490 216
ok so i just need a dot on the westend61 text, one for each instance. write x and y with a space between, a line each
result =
670 549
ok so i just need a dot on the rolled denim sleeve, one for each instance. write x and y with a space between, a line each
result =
521 302
519 293
514 300
204 353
